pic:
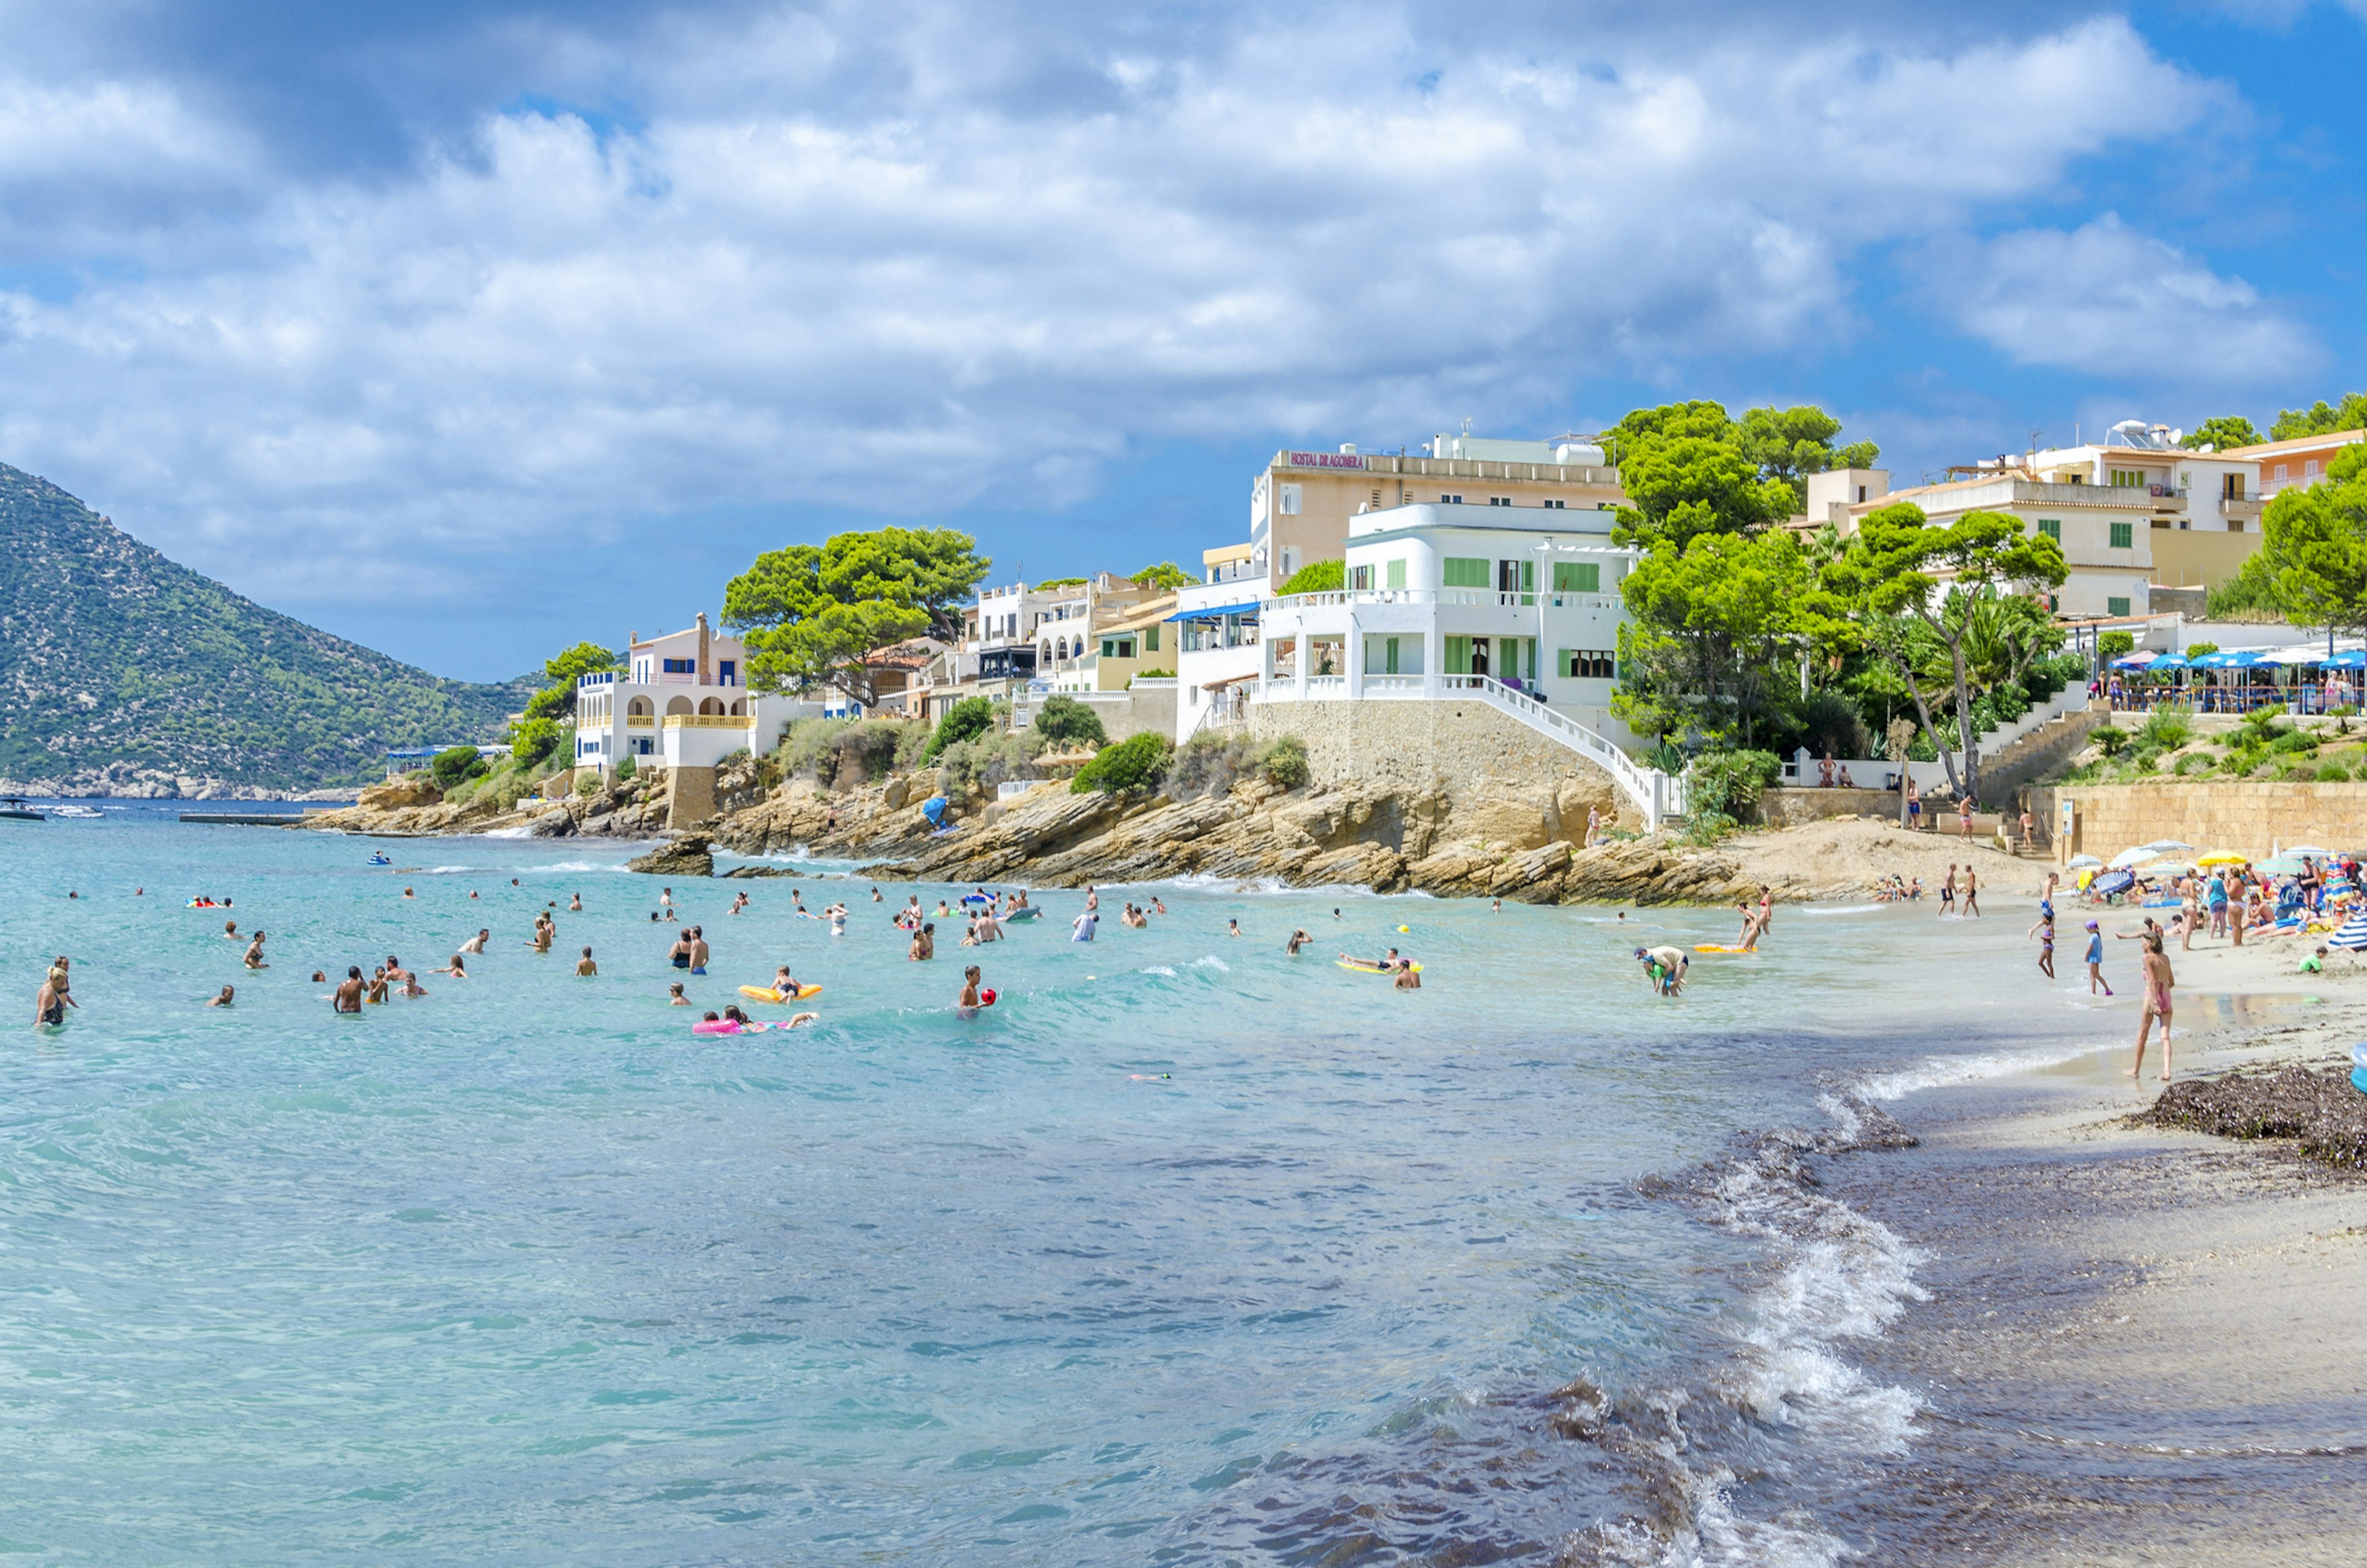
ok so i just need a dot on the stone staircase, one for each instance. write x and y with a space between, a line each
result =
2032 755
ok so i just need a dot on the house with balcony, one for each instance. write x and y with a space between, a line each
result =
681 702
1445 597
2299 462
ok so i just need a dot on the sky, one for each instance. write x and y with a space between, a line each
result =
471 331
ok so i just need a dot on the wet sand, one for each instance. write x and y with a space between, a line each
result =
2143 1345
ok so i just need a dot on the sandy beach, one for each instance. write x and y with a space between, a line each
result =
2141 1345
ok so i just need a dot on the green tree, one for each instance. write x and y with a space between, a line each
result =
1318 576
533 740
1890 577
556 700
1065 721
2313 547
1138 763
2223 434
2320 419
454 765
1716 635
815 615
1791 444
965 720
1165 577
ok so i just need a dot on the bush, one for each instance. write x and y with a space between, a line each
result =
2333 773
1065 721
535 739
2166 731
587 782
965 720
2197 649
2111 645
1318 576
2108 739
627 767
993 758
2009 703
1727 783
1138 763
454 764
2194 763
1210 763
2295 740
1829 726
1284 763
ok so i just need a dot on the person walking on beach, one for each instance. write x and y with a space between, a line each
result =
1948 892
2096 960
2158 983
1965 816
2045 931
1914 805
1972 893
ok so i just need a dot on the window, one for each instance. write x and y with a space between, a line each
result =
2281 473
1586 665
1517 577
2231 487
681 666
1465 571
1293 497
1360 577
1395 575
2128 479
1289 561
1151 640
728 673
1451 499
1557 506
2309 469
2235 525
1578 577
2116 606
2052 527
2123 536
1500 501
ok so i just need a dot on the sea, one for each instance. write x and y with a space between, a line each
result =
1186 1251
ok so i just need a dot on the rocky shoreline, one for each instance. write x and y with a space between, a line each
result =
1376 837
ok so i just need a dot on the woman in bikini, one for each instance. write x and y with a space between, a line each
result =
2158 983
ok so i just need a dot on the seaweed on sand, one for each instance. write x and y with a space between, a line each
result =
2319 1106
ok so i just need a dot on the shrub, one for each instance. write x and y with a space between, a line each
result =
1729 783
627 767
454 764
965 720
535 739
2197 649
2111 645
2166 731
2009 703
1830 725
2333 773
1136 763
1318 576
1065 721
1284 763
2108 739
2194 763
587 782
805 747
1210 764
2295 740
992 759
1148 675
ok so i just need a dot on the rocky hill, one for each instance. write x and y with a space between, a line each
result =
124 673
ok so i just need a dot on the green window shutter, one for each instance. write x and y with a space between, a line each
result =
2052 527
1578 577
1397 574
1465 571
2117 606
1151 640
1562 664
2123 536
1459 653
1528 577
1389 665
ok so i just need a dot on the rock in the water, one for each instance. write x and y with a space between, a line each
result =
758 871
555 823
686 856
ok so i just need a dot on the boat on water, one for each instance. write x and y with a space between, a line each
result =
13 809
76 812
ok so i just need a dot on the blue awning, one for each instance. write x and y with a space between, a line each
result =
1250 607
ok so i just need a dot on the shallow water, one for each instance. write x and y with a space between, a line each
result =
1186 1251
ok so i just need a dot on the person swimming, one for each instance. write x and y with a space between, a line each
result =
967 1007
1299 939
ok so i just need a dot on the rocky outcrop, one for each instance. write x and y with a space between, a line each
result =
685 857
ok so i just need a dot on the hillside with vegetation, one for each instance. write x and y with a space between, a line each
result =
123 672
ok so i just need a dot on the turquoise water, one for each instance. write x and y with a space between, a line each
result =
1186 1252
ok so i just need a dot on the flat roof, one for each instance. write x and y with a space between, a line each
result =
1224 553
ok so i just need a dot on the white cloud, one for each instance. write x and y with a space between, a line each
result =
907 260
2110 301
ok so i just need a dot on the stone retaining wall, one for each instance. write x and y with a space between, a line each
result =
1790 807
2248 818
1505 781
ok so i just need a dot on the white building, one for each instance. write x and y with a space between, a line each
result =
682 702
1441 598
1217 652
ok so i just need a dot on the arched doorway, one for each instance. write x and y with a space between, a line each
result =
677 705
712 708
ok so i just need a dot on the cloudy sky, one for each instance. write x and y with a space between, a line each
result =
472 329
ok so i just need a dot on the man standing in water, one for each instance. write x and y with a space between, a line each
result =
1665 967
349 991
1081 927
1972 893
2158 982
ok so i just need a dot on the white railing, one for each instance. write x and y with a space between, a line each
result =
1659 795
708 721
1345 598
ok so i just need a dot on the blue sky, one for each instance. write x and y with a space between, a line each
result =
471 331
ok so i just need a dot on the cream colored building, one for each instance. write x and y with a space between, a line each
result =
1300 505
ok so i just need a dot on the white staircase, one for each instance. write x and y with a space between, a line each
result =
1657 795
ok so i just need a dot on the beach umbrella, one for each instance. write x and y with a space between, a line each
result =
2349 658
2291 656
2112 882
2170 662
2353 934
2222 857
2310 850
2279 866
2077 862
2133 857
